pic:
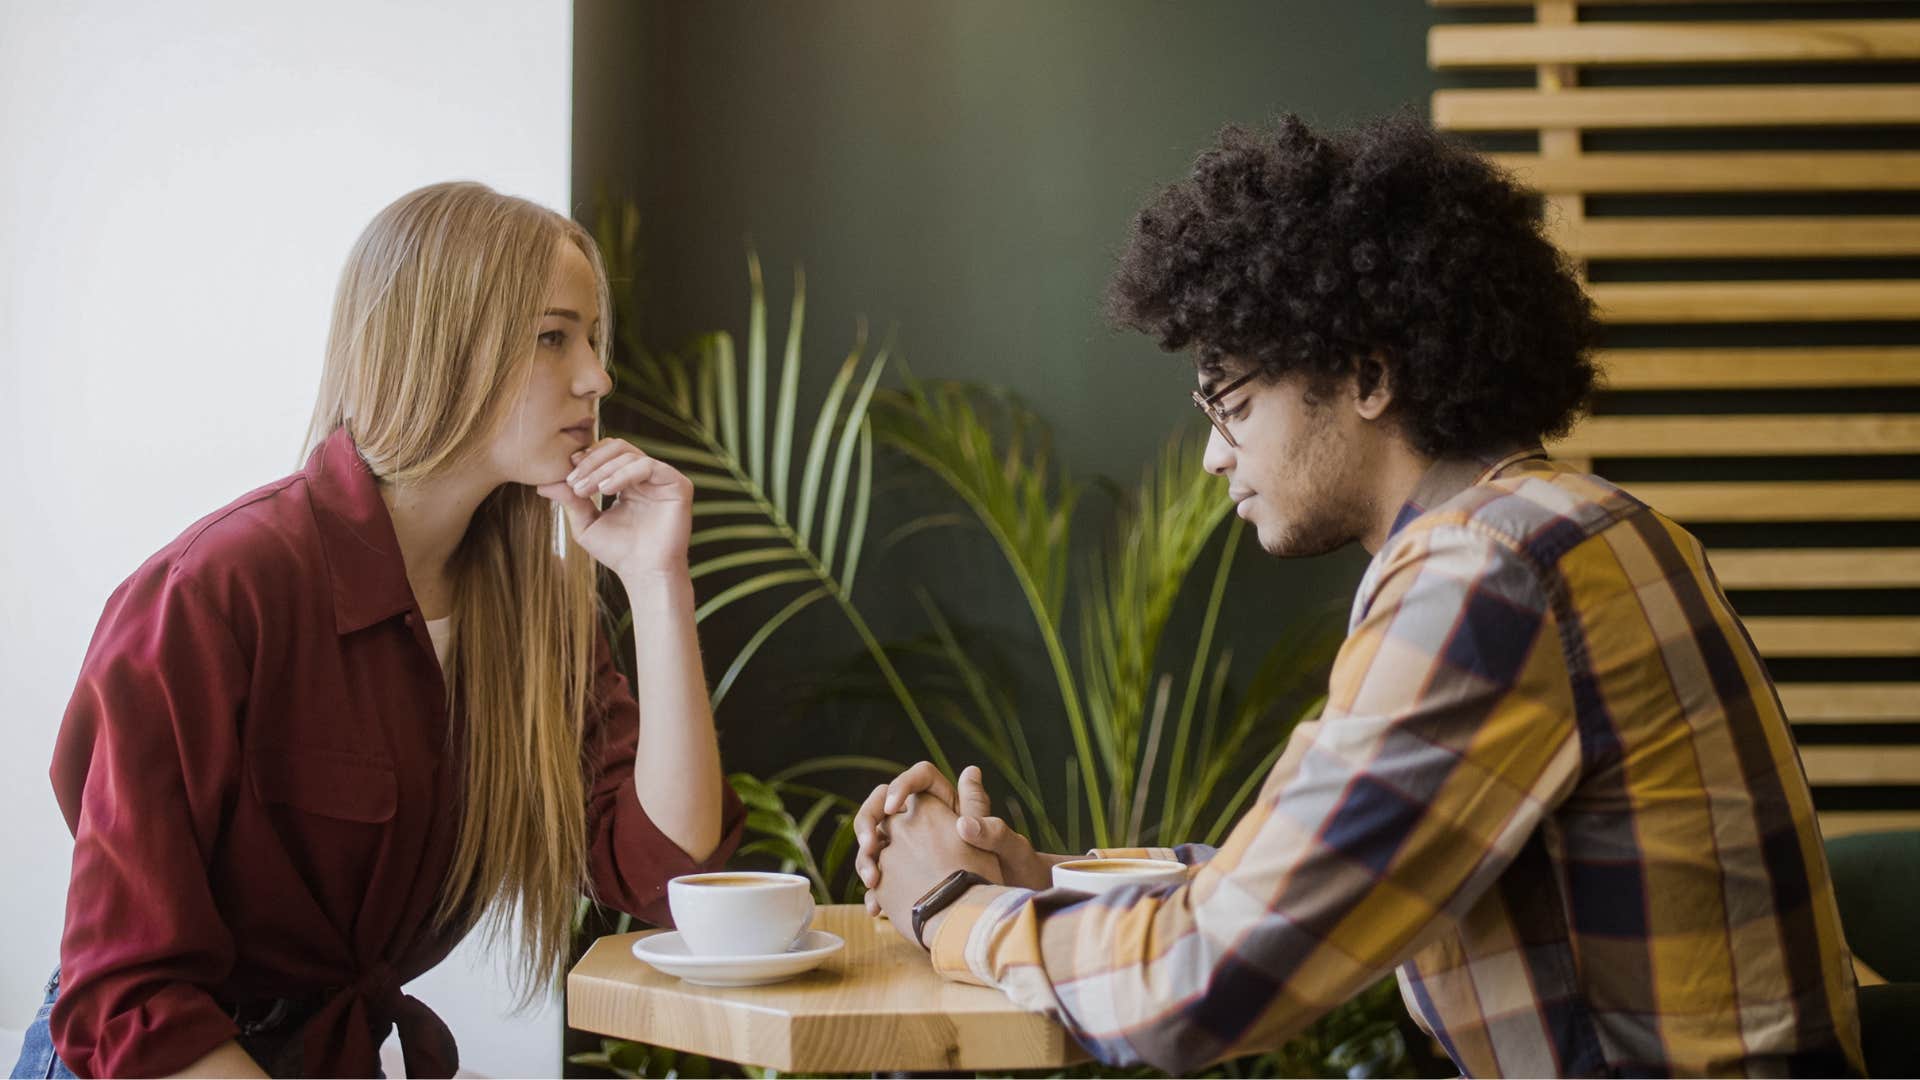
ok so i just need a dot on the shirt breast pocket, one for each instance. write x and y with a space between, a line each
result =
337 784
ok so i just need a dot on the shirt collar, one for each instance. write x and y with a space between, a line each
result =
1448 477
369 577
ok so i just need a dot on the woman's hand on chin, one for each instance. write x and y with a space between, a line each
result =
642 530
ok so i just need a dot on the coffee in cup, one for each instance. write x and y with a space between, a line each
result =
1103 875
740 913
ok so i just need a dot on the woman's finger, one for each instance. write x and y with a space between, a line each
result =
627 475
594 481
597 455
580 511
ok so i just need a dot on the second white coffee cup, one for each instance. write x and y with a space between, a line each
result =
1102 875
740 913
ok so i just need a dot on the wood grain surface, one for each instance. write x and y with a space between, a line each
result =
1721 42
877 1006
1827 170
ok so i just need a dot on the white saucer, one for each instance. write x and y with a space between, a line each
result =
668 953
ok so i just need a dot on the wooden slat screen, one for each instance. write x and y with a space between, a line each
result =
1741 195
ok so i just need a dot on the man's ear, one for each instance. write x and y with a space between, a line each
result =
1372 386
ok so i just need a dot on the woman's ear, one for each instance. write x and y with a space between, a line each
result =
1372 386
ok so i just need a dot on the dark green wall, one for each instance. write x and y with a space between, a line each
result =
964 171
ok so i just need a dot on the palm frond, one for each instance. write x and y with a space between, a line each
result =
947 428
1293 669
1132 588
698 403
1203 647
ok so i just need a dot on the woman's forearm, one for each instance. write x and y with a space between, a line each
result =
227 1059
676 770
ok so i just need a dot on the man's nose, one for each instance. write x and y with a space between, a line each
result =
1219 456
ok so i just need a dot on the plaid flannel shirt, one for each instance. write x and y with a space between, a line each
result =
1552 783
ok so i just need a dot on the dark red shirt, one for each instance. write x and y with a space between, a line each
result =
255 766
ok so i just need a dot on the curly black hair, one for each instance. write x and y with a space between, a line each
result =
1309 253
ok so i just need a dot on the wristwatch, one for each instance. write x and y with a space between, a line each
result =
937 899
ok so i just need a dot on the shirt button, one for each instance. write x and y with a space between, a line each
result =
409 618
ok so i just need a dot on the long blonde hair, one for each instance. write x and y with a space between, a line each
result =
434 329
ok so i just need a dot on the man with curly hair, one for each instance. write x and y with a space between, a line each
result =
1552 783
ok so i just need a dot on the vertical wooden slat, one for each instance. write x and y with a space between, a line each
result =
1566 210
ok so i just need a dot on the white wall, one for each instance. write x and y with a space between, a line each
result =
179 183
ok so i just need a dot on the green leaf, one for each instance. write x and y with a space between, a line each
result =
789 392
706 397
938 426
862 496
631 1058
822 436
667 450
1254 778
889 769
811 819
742 558
680 419
726 389
757 376
843 460
1164 526
922 524
749 587
1195 673
776 823
754 792
714 482
736 532
703 408
779 846
720 507
1004 720
767 630
838 849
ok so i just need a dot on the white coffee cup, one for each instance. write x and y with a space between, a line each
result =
740 912
1103 875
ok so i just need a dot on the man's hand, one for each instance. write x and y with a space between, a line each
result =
923 849
975 824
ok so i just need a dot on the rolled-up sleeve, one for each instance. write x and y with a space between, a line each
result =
629 859
1448 737
145 769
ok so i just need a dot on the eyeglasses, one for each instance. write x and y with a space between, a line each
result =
1210 404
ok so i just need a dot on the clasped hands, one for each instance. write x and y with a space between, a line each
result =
920 828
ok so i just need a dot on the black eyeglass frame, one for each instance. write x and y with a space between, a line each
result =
1211 407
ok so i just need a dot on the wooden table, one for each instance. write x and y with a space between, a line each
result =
876 1006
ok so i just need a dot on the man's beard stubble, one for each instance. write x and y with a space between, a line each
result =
1334 510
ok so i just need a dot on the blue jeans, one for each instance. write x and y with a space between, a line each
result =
37 1059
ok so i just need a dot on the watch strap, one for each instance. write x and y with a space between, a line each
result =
940 897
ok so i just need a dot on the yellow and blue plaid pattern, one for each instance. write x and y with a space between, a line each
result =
1552 784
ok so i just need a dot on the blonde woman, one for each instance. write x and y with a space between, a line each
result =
352 715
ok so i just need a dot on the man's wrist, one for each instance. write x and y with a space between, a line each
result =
930 932
940 897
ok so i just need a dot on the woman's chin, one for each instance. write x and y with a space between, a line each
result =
540 478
